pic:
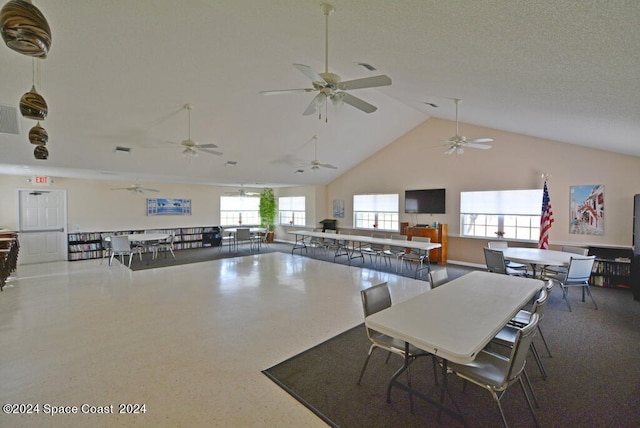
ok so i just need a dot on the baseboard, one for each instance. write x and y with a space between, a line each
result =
473 265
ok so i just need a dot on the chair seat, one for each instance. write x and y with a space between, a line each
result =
394 344
487 369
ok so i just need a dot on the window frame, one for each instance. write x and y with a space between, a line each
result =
296 215
517 213
375 212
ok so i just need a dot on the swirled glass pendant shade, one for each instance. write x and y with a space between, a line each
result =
33 106
41 153
38 135
25 29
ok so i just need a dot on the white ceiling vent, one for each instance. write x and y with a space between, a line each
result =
9 120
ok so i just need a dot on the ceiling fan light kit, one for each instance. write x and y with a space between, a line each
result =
190 148
25 29
458 143
330 86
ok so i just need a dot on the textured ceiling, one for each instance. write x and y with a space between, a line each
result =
119 72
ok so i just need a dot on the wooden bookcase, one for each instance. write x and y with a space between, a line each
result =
437 235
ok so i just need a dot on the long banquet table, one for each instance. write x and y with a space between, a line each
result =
454 321
358 241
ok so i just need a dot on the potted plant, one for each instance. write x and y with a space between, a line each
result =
268 211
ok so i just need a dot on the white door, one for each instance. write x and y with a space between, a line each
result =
42 225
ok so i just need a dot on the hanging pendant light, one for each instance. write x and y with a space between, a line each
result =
25 29
41 153
32 104
38 135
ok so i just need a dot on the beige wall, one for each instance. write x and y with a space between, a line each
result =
414 161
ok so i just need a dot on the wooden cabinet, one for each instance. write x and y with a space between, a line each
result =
437 235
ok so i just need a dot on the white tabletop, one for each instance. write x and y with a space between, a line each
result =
418 245
144 237
233 230
537 256
456 320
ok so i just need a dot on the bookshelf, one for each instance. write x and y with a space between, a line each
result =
88 245
612 268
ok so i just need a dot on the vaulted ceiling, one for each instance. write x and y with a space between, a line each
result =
119 73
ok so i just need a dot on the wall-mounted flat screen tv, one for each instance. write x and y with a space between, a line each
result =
425 201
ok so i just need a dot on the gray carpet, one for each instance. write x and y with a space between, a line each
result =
593 376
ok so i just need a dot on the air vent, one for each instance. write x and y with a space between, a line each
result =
122 150
9 120
231 163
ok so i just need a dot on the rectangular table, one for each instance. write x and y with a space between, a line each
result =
358 241
457 320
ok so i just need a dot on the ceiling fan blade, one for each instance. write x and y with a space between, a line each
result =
208 146
478 146
367 82
358 103
480 140
315 102
450 150
286 91
327 165
148 190
310 73
213 152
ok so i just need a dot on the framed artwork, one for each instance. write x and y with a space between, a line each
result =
587 210
163 206
338 208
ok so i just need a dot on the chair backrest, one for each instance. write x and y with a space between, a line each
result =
540 303
375 299
331 231
398 238
579 269
106 243
243 234
421 239
575 250
378 247
498 244
495 261
518 356
120 243
438 277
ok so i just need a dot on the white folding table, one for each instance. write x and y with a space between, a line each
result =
454 321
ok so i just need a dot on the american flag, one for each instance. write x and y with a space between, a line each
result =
545 220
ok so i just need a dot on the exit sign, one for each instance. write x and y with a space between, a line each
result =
41 180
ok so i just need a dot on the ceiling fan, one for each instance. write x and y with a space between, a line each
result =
458 143
241 192
329 86
191 149
136 188
315 164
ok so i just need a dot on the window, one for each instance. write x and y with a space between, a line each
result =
291 210
377 212
235 210
515 212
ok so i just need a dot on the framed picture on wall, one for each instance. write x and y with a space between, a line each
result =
163 206
587 210
338 208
